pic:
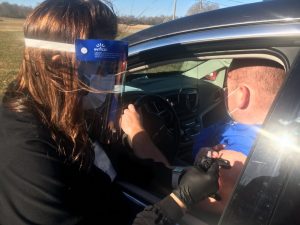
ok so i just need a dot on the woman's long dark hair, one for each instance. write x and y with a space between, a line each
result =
47 81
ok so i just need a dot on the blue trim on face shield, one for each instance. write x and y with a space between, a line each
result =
97 50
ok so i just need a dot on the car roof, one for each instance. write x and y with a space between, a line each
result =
262 12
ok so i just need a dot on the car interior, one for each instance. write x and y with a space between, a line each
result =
177 99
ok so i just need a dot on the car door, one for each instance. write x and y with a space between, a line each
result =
142 197
263 189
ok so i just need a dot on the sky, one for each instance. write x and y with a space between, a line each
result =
140 8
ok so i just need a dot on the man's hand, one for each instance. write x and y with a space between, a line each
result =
130 122
212 152
227 181
197 184
139 139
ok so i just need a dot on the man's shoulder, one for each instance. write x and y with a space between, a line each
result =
242 128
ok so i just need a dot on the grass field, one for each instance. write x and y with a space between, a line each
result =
12 45
11 49
125 30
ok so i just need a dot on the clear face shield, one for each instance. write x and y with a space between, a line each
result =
101 66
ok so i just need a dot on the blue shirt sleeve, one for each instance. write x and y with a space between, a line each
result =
239 137
235 136
208 137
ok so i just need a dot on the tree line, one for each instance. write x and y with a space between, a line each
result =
13 10
133 20
197 7
17 11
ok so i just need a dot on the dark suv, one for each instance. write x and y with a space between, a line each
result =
178 70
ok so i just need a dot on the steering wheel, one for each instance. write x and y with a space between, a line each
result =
161 123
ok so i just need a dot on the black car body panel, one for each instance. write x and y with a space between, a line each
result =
255 13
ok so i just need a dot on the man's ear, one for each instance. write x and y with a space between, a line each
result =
244 97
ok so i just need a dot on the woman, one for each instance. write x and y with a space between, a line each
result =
47 166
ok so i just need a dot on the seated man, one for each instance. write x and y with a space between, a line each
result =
252 85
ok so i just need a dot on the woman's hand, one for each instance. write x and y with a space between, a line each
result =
197 184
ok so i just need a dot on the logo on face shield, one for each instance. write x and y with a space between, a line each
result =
84 50
100 47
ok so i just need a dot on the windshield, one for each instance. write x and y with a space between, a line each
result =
181 72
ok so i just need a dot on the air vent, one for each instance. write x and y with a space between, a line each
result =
189 98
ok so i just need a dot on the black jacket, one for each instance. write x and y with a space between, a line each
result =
37 186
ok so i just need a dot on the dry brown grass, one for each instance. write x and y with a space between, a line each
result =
125 30
132 28
11 49
10 24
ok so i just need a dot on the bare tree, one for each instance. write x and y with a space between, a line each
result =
202 6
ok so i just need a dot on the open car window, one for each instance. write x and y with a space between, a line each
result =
200 94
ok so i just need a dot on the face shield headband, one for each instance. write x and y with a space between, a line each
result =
101 66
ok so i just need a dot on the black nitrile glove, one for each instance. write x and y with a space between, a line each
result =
197 184
205 162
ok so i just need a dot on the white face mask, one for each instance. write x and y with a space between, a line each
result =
232 93
95 100
226 99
